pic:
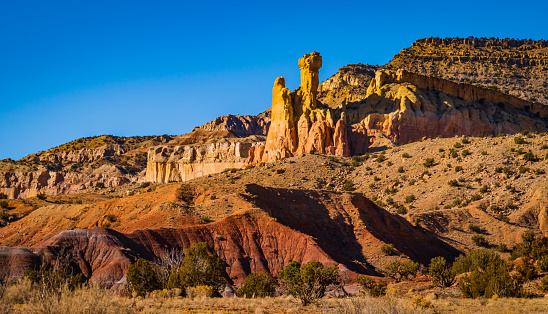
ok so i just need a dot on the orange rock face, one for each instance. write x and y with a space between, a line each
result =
392 108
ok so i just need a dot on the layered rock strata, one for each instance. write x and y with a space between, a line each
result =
393 108
182 163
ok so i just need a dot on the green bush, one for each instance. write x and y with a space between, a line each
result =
348 186
441 272
400 169
402 210
410 198
489 275
3 196
374 288
480 240
201 268
529 157
309 282
429 162
142 277
458 168
99 185
257 285
542 263
465 153
531 246
399 270
475 228
453 182
387 249
405 155
543 286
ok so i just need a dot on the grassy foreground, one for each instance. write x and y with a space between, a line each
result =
22 298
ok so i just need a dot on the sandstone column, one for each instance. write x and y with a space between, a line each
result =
281 139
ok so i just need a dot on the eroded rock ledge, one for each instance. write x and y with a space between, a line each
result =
182 163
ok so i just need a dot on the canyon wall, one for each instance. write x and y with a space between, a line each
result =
182 163
396 107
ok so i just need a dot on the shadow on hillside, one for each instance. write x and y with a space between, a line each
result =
333 218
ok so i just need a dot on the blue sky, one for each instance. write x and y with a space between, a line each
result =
71 69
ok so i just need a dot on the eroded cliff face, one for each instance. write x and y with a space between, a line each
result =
360 113
182 163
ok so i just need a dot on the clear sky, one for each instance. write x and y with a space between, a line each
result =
71 69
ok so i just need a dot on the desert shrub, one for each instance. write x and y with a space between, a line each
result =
3 196
201 268
4 204
475 197
99 185
375 178
42 196
479 240
410 198
457 145
539 172
309 282
202 291
465 141
484 152
475 228
429 162
387 249
465 153
474 260
441 272
416 221
458 168
542 263
519 140
381 158
412 182
502 248
543 285
511 205
142 277
489 275
257 285
526 270
529 156
484 189
530 247
405 155
399 270
503 218
185 193
498 169
402 210
453 182
400 169
110 218
374 288
348 185
523 169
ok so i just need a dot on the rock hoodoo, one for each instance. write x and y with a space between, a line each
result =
391 108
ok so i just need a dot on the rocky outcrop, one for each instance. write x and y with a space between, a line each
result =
240 126
516 67
394 108
467 92
182 163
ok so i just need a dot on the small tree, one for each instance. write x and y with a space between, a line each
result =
201 268
441 272
374 288
258 285
401 270
142 277
309 282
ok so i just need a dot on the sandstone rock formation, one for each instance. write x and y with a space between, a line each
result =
516 67
182 163
392 108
